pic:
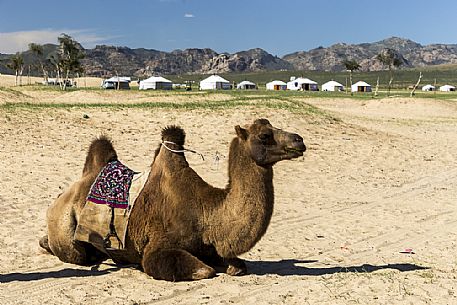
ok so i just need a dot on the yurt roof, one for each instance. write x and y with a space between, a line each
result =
215 79
428 86
332 83
157 79
119 79
303 80
277 82
361 83
447 86
246 82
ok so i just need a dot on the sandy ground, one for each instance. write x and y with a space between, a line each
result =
377 180
10 81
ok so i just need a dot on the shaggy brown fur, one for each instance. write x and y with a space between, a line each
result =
101 151
181 228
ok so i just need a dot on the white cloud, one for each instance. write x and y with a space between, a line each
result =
188 15
12 42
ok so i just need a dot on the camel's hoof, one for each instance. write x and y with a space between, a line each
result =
232 270
203 273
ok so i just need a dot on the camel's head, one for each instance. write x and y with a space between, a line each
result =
268 145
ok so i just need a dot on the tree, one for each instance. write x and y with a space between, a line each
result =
17 64
37 50
53 60
351 65
391 59
68 58
416 85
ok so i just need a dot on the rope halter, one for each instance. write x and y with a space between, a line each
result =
180 150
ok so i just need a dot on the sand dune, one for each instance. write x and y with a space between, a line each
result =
377 180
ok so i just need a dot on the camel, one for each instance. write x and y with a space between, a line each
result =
181 228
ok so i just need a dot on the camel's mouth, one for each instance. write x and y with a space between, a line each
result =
294 152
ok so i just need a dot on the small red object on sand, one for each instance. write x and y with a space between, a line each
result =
407 251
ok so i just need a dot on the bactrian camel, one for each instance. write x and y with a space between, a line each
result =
182 228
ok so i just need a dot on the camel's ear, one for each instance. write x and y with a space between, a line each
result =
241 132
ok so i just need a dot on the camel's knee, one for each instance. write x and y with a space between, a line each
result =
70 251
175 265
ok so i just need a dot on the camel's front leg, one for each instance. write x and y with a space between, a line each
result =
231 266
235 266
175 265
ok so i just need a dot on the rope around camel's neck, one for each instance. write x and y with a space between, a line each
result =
180 150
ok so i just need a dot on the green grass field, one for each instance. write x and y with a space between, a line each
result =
442 75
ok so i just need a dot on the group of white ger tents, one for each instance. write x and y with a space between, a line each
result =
445 88
215 82
306 84
120 82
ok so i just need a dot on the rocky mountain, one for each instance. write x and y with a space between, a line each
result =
246 61
111 60
411 53
106 60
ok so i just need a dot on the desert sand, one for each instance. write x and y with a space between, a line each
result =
367 216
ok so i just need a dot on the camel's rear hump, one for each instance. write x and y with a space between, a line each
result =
101 151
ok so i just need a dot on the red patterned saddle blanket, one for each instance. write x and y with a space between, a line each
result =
112 186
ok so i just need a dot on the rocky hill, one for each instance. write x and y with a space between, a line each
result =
106 60
111 60
412 54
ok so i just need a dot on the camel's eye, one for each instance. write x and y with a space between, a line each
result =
264 137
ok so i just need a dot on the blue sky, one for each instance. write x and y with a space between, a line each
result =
279 27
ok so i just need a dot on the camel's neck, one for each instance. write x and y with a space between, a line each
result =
242 219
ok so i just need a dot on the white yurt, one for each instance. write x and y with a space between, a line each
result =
155 83
428 88
332 86
116 82
276 85
447 88
302 84
215 82
246 85
361 86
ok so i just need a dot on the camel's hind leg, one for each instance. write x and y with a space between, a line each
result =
69 250
61 220
175 265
